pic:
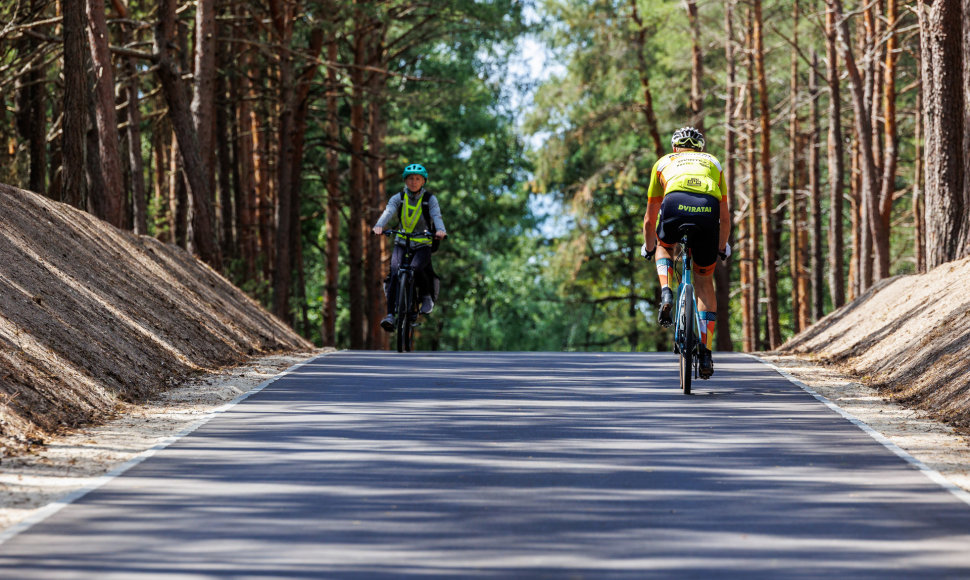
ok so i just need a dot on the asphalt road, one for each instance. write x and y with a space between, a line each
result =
363 465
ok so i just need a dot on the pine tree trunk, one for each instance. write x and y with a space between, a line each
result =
803 257
836 168
722 273
285 140
110 201
301 111
946 212
181 116
245 195
204 81
94 204
964 245
815 193
329 330
263 192
890 138
696 67
139 193
767 215
794 252
648 110
178 205
227 170
31 117
160 152
357 195
378 196
919 228
869 197
856 267
751 256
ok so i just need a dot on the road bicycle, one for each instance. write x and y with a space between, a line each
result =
686 321
408 303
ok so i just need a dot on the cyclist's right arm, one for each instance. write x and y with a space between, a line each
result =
392 209
725 217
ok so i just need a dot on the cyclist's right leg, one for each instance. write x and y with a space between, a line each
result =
707 313
704 252
391 294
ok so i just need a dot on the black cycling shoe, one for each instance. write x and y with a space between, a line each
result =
388 323
705 362
666 307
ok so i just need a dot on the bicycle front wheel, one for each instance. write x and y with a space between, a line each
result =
687 349
403 322
411 318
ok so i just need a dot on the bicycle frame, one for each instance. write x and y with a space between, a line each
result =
687 324
406 311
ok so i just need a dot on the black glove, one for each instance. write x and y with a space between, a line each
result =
645 254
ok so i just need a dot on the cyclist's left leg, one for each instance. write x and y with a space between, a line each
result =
706 305
668 234
422 263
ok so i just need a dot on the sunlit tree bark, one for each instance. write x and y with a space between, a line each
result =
181 117
836 167
767 211
940 39
794 160
869 198
815 193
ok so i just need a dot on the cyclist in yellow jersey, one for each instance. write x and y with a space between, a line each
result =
687 197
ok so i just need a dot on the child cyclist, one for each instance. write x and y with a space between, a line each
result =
417 210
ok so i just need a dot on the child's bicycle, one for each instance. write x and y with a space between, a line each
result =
408 305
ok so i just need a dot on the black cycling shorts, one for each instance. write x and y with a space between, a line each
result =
695 215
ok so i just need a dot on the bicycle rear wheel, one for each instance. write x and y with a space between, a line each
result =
402 323
687 350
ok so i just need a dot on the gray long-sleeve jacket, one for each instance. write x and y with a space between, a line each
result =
393 210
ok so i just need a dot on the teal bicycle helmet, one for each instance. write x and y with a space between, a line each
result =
416 169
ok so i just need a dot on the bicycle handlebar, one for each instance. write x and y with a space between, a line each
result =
410 236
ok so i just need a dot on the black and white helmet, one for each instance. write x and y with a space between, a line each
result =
688 138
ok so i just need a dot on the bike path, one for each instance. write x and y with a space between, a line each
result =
366 465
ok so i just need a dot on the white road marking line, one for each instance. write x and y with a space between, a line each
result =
929 472
57 505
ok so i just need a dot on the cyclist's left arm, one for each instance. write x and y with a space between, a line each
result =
655 196
439 225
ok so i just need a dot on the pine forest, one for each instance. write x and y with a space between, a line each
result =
267 137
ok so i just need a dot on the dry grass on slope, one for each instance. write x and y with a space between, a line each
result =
909 337
92 317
